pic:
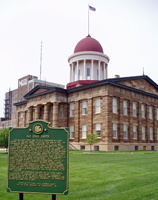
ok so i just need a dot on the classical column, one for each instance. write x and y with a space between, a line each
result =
99 70
37 112
84 73
30 114
17 119
55 114
92 70
104 67
72 72
106 71
24 119
46 112
77 121
77 71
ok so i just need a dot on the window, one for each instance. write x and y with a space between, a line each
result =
42 113
61 111
143 133
71 109
125 131
157 113
21 117
51 112
116 148
125 107
82 147
115 105
97 129
114 130
134 110
152 148
84 107
151 133
150 112
84 131
143 110
134 132
71 132
97 106
96 148
157 133
88 73
136 148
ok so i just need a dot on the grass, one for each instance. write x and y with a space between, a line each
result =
101 176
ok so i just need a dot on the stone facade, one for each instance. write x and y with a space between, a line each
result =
114 109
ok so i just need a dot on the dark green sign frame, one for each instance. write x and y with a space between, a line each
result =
38 159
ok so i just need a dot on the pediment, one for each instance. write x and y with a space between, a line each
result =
38 90
141 84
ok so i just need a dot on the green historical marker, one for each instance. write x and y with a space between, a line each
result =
38 159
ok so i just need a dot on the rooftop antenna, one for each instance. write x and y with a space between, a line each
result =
41 60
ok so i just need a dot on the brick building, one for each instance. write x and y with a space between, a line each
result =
123 112
25 84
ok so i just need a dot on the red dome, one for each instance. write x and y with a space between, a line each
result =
88 44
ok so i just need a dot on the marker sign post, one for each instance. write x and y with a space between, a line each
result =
38 159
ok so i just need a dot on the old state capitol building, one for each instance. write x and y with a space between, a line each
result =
123 112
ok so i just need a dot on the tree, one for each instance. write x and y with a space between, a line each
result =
91 139
4 133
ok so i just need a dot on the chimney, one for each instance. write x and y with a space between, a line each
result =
117 76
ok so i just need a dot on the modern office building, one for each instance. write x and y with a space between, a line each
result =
25 84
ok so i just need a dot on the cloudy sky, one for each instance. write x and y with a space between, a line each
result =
126 29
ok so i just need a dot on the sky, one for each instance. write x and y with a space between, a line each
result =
126 29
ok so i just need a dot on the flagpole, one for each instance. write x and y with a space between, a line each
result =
88 19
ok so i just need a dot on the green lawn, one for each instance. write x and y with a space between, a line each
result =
112 176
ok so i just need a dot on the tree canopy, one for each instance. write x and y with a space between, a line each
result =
4 133
91 139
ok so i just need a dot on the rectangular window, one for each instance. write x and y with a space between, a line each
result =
51 112
125 107
84 107
96 148
84 131
150 112
134 109
97 106
143 110
71 109
125 131
115 105
61 111
114 130
88 74
143 133
134 132
71 132
97 129
151 133
82 147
